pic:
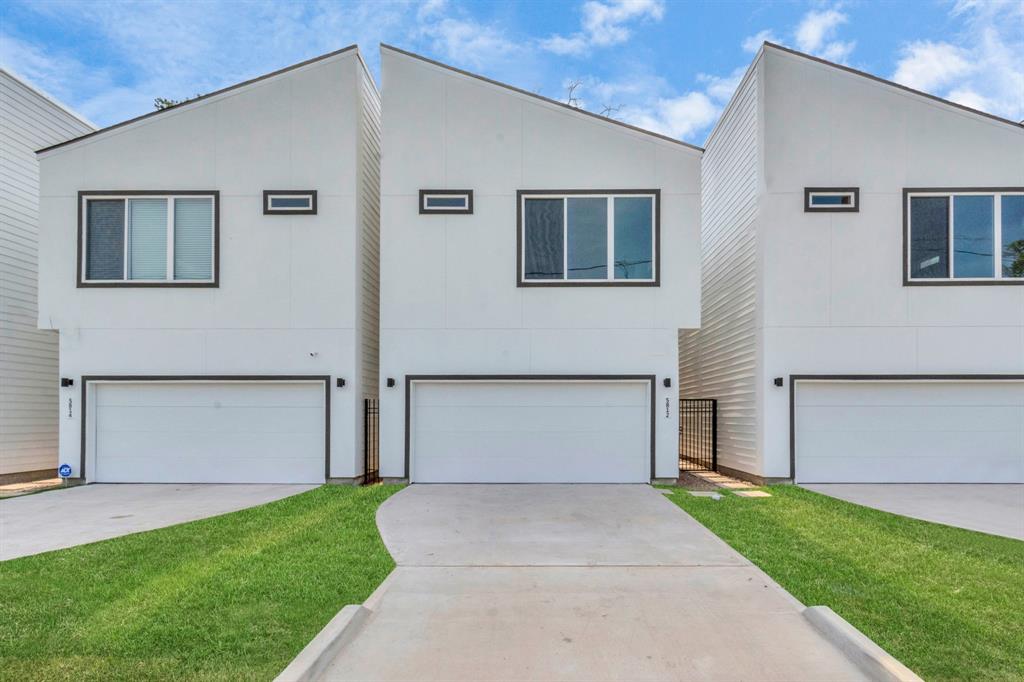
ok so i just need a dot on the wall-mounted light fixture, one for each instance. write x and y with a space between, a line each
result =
667 383
391 382
65 382
340 383
778 381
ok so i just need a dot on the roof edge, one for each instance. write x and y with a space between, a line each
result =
733 98
208 95
49 98
884 81
542 98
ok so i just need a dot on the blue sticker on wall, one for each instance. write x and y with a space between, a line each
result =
64 471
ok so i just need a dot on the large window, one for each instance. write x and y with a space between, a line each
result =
585 238
148 239
964 236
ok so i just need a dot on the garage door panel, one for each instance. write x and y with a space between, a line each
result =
912 418
486 466
210 394
210 420
544 445
579 393
910 432
528 418
530 432
142 445
909 444
901 393
206 432
184 469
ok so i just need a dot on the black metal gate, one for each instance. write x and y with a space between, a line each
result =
698 434
371 441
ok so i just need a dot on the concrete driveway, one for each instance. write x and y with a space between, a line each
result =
572 582
75 516
990 508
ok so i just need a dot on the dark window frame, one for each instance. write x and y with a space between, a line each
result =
835 208
267 193
524 283
908 281
84 195
424 193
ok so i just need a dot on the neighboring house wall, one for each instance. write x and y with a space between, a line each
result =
28 356
287 300
367 275
720 360
834 299
449 299
369 220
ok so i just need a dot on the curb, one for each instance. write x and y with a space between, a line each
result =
314 659
872 659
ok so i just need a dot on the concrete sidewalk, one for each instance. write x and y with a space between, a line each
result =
75 516
573 582
997 508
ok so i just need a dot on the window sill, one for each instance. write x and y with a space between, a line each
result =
563 283
964 283
147 285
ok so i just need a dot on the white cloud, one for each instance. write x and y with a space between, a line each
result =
816 27
753 43
925 65
816 34
681 117
572 45
461 39
604 24
982 66
721 88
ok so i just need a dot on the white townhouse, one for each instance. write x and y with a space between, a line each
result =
863 256
29 120
212 271
537 263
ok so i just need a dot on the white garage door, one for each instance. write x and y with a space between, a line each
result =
909 432
530 432
185 432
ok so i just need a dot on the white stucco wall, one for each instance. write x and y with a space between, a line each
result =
286 303
834 300
449 300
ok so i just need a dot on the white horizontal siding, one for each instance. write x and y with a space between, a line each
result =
720 359
369 219
28 356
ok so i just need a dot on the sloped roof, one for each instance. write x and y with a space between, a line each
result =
534 95
864 74
52 100
190 102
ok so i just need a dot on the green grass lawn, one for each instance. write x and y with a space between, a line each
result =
226 598
947 602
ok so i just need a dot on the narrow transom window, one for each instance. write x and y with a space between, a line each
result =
586 238
148 239
964 236
446 201
831 199
301 202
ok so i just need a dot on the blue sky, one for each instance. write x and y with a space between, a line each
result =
665 65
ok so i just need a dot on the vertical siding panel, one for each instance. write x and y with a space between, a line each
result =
720 359
28 356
